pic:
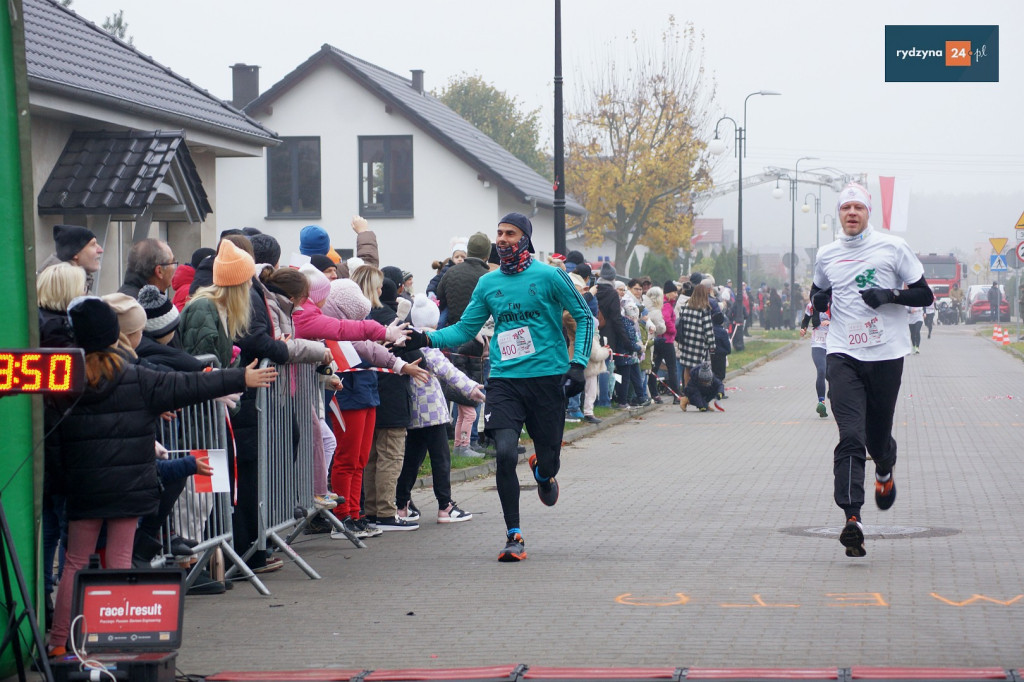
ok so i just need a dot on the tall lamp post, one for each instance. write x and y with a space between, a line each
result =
793 184
716 147
828 222
559 203
806 208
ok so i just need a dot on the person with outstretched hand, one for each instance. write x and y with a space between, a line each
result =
531 372
863 273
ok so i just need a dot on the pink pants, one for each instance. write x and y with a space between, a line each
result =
82 537
464 425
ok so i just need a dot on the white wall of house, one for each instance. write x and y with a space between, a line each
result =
448 199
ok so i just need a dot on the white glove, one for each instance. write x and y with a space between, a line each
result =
396 333
161 451
230 400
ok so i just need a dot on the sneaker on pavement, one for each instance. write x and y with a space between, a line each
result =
546 490
852 538
274 563
371 529
885 493
574 416
395 523
820 409
515 548
452 514
317 525
409 512
351 527
324 502
591 419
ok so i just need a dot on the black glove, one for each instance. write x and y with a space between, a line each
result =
417 339
574 382
875 297
820 300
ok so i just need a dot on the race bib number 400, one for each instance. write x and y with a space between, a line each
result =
515 343
865 332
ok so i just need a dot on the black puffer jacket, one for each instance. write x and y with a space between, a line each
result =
107 455
395 390
613 329
457 285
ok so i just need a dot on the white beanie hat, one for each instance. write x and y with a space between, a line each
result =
854 192
425 312
460 244
319 285
346 301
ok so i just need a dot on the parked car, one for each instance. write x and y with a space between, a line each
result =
978 308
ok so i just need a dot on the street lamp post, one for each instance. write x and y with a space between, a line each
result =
559 202
716 147
817 211
793 184
828 222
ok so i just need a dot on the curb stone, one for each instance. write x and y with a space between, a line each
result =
490 466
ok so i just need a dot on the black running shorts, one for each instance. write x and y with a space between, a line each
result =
537 402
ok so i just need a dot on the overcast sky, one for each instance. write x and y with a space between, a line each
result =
962 144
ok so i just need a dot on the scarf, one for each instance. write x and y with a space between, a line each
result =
515 259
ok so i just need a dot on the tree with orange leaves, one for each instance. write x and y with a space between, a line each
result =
635 145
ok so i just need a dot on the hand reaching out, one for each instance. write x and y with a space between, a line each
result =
418 374
259 378
203 467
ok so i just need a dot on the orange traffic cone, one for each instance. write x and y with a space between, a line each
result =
1006 337
997 333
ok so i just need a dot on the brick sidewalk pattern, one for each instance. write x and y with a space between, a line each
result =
671 545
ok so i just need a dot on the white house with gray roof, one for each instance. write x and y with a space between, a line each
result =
122 144
357 139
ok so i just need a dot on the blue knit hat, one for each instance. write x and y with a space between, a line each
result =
313 239
523 223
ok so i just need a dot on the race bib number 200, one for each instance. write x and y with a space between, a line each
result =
865 332
515 343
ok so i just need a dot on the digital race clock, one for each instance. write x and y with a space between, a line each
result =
42 370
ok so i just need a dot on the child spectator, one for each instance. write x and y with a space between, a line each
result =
428 430
630 388
722 346
702 387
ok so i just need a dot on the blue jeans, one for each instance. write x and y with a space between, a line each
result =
574 405
604 398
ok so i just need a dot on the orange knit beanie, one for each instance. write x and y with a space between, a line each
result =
232 266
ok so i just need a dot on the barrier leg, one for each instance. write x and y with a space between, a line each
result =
293 555
241 566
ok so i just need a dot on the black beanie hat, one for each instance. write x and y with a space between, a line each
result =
388 291
669 287
584 270
265 248
574 257
523 223
393 273
321 262
696 278
199 254
70 239
94 322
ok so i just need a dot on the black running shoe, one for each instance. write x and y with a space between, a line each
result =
515 548
885 493
852 538
547 490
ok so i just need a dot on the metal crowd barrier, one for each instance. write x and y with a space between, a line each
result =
288 425
204 517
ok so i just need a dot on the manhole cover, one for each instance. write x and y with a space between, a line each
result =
874 532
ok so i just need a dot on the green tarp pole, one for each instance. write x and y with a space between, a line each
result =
20 466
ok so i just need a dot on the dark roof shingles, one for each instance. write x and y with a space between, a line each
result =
68 52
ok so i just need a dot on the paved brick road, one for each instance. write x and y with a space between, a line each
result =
671 545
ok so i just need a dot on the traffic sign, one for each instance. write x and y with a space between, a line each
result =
1020 235
977 268
1020 251
1020 222
998 243
997 263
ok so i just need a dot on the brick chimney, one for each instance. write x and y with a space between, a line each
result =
417 80
245 84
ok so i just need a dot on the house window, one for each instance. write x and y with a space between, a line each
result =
385 176
293 178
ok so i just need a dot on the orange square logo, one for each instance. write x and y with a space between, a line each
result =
958 53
